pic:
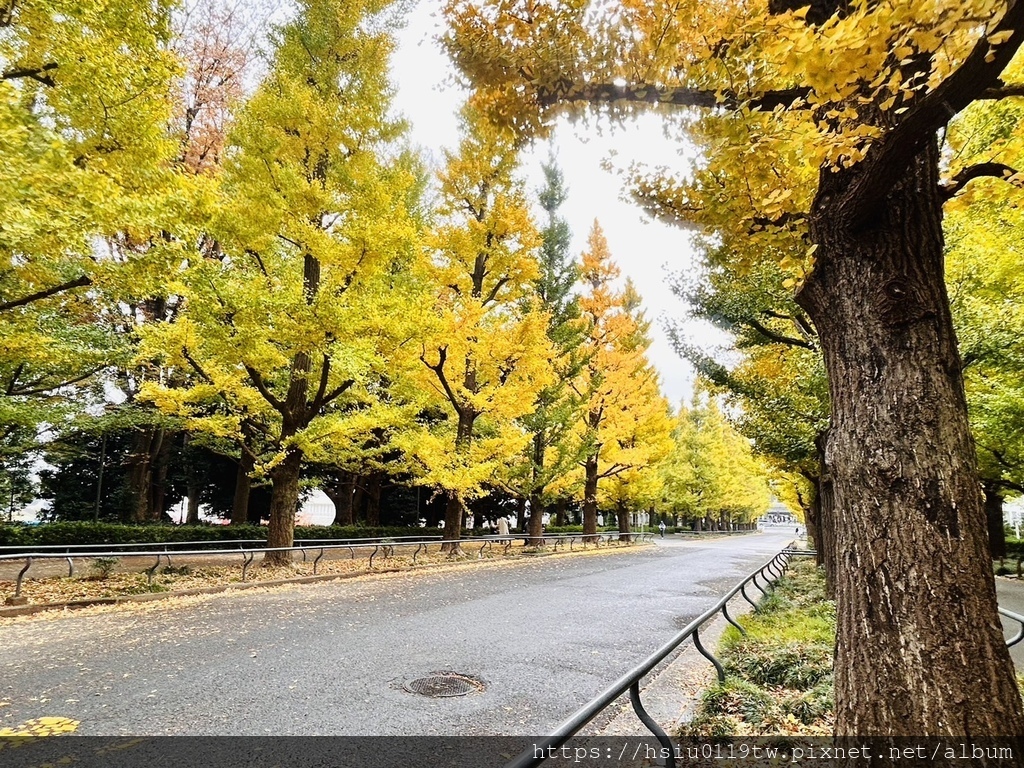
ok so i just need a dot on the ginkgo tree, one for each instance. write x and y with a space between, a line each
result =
624 420
486 354
821 126
298 312
85 100
552 453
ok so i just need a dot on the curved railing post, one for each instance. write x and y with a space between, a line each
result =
704 652
652 726
21 576
725 612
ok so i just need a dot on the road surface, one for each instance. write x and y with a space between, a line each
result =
543 636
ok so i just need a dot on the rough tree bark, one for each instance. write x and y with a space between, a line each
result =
284 503
919 647
622 515
536 524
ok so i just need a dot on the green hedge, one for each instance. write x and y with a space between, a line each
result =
116 533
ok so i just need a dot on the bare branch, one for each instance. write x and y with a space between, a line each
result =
195 365
321 391
494 292
442 356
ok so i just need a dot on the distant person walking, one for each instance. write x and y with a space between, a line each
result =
661 527
503 526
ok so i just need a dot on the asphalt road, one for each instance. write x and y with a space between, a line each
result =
543 635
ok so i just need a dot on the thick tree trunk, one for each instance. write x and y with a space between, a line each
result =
590 496
192 514
452 523
284 503
919 650
243 484
994 520
536 521
140 475
373 491
623 520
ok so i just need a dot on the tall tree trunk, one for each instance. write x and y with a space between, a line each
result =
192 483
452 523
920 649
161 464
590 496
140 468
536 520
243 484
623 519
994 520
284 503
373 489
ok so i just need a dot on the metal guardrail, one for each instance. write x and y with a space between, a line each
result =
774 568
384 547
537 753
88 549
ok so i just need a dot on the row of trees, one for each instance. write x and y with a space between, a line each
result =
205 287
832 172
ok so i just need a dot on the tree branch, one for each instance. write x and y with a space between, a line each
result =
318 399
78 282
195 365
565 91
51 387
971 172
33 73
261 386
776 337
336 392
1003 91
442 356
494 292
887 161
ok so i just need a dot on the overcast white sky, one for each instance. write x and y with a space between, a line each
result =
644 249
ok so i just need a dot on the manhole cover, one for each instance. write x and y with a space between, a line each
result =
443 685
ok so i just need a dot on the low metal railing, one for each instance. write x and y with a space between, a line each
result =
383 547
537 753
774 568
89 549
